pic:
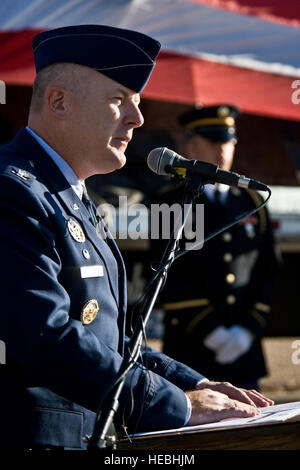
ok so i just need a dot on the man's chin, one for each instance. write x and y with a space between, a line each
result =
122 160
116 162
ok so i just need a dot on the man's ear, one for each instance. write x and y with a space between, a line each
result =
56 102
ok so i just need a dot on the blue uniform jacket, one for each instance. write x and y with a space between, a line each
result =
57 367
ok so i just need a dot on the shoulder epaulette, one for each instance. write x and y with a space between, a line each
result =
20 174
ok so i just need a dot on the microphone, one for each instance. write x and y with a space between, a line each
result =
164 161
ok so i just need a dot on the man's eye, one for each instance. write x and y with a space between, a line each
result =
119 99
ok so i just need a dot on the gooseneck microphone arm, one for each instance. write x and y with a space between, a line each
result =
103 436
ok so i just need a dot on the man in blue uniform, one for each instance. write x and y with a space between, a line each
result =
63 290
218 299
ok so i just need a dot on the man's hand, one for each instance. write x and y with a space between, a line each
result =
250 397
214 401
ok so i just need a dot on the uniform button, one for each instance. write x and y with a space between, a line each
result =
227 257
230 299
86 254
174 321
230 278
227 237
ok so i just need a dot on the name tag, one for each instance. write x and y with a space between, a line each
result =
92 271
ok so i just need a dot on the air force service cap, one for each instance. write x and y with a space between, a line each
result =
126 56
216 123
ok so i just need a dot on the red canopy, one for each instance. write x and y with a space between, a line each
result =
211 50
189 80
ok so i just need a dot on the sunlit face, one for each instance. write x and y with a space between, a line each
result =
103 117
218 153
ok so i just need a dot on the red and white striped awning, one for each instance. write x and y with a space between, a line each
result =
241 51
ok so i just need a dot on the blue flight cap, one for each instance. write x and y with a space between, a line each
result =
126 56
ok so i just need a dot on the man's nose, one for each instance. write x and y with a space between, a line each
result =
134 116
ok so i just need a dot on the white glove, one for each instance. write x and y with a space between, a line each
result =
239 343
217 338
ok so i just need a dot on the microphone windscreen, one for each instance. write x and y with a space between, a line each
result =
158 159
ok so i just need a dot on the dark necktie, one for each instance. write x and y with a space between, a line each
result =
95 217
90 206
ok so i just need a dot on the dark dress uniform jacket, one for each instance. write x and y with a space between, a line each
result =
229 281
57 367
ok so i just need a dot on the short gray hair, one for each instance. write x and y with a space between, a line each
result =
63 74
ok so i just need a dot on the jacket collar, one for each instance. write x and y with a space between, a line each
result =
49 171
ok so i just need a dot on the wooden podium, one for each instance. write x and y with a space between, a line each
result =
278 436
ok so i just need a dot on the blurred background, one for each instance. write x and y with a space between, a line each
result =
244 52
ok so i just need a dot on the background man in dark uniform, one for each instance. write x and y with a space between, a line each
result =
64 290
217 299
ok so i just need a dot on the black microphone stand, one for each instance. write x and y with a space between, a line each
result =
104 434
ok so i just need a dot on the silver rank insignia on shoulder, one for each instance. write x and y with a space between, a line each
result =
89 312
76 231
21 173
